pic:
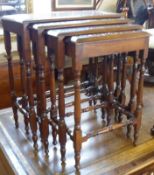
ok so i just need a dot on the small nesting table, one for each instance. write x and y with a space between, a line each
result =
81 47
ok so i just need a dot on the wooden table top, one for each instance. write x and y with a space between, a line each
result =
97 29
59 16
90 22
109 36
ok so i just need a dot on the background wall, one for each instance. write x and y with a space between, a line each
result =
41 6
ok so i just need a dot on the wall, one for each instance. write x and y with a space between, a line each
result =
108 5
41 6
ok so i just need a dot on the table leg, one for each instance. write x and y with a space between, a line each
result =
34 50
132 102
104 89
41 59
118 85
77 128
139 106
53 112
122 96
28 62
110 87
90 79
61 99
38 101
43 117
96 83
7 40
23 82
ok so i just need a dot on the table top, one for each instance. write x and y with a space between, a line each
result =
59 16
80 23
109 36
89 30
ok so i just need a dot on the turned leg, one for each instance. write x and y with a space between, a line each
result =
118 78
139 105
90 79
7 40
38 103
43 116
32 114
104 89
62 126
53 112
110 87
96 74
77 128
40 67
34 50
122 96
132 102
23 82
59 58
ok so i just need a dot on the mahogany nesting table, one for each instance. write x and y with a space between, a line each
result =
19 24
80 36
55 41
38 41
85 46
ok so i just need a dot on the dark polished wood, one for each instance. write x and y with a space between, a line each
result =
19 25
5 100
37 36
81 47
57 37
90 37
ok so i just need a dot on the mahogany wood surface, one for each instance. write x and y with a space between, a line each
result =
81 47
19 24
37 35
60 78
55 40
105 38
5 100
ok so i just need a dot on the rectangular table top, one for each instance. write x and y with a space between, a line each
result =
89 29
59 16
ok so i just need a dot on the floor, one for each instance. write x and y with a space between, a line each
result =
108 154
